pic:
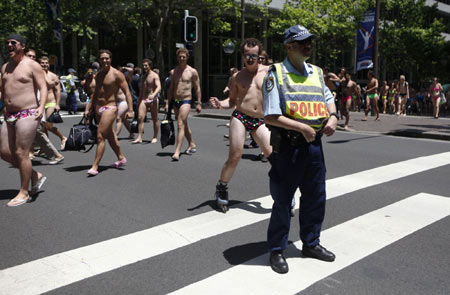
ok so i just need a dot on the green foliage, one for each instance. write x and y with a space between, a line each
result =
410 38
28 18
334 21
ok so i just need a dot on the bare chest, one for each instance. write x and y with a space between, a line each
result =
16 78
183 76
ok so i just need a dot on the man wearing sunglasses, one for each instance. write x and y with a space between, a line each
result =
299 108
246 96
22 78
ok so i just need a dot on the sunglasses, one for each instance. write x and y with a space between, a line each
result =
251 56
13 43
261 58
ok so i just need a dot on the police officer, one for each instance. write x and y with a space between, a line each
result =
299 108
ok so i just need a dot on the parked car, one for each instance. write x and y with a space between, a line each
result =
81 104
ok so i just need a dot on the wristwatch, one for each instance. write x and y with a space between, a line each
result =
334 114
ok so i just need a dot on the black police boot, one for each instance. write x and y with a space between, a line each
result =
222 196
318 252
278 262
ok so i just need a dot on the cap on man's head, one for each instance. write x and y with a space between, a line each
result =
17 37
130 65
71 70
297 33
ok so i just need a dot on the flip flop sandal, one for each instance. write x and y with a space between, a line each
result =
15 203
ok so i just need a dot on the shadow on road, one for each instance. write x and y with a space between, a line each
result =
348 140
11 193
254 207
86 167
7 194
241 254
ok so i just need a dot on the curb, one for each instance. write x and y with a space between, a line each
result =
398 133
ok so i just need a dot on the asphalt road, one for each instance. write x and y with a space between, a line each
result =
74 211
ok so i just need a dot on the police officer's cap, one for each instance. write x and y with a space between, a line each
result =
71 70
297 33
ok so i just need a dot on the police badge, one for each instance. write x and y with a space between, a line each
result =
269 84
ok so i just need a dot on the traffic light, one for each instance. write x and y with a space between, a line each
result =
190 29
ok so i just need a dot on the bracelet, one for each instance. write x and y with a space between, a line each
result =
334 114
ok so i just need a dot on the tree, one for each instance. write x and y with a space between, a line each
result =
411 40
334 21
28 18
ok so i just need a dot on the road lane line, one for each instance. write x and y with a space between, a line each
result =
64 268
351 241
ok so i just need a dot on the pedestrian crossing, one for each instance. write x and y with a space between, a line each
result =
405 217
350 241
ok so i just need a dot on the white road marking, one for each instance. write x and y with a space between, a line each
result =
64 268
351 241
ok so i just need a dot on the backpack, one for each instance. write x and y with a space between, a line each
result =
81 134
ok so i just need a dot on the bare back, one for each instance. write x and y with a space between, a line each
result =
246 91
19 84
183 80
107 85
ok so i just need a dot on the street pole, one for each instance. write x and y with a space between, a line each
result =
243 25
375 53
61 52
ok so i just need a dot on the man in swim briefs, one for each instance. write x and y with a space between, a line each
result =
183 78
384 91
331 80
148 98
53 98
246 95
108 81
349 88
372 95
21 79
403 92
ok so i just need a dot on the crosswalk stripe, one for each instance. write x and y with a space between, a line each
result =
350 241
64 268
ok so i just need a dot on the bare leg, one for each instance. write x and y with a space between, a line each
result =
182 114
121 110
262 138
15 144
366 111
154 112
142 110
374 101
237 139
348 104
104 129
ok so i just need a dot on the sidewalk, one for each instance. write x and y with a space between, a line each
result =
409 126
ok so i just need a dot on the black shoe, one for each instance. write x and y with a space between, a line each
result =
262 158
318 252
70 113
278 262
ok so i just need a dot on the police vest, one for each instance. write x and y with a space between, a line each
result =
68 87
302 98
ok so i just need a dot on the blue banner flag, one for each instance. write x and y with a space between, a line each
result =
52 8
365 41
